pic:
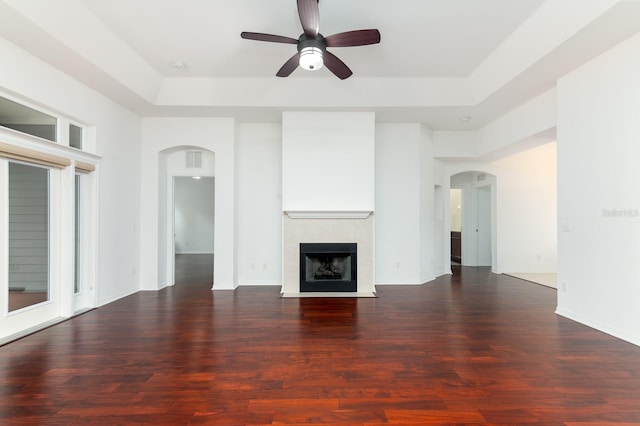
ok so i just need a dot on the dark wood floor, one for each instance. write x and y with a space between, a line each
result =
474 348
194 269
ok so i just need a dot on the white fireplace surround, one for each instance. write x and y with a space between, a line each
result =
328 227
328 190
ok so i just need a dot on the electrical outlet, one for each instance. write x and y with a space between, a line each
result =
564 286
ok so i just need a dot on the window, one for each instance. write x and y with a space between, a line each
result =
75 136
76 255
27 120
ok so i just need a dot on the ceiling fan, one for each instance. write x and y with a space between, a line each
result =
312 46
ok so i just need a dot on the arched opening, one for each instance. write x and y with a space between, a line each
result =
473 219
186 224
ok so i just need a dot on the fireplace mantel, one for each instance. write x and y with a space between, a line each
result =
334 214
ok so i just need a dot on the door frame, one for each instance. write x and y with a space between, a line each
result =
171 231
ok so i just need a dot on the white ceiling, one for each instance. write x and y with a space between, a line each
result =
205 34
438 60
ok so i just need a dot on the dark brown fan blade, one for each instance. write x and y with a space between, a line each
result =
353 38
268 37
289 66
336 66
309 17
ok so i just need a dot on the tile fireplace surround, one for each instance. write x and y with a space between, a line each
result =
327 227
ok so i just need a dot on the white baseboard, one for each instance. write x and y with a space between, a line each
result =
223 286
120 296
195 252
596 325
398 283
265 283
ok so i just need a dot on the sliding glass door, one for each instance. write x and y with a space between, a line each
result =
29 236
84 297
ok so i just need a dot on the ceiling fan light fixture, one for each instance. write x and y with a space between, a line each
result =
311 58
312 46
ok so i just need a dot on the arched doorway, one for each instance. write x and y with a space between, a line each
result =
176 163
473 219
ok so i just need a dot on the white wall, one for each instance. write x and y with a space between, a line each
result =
161 136
527 210
117 134
194 214
259 204
397 193
599 194
427 212
442 233
525 194
118 142
405 212
328 161
455 209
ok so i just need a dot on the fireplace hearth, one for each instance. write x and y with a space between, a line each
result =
328 267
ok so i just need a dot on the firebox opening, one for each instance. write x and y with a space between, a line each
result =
328 267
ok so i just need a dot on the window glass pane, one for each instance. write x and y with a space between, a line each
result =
76 285
75 136
26 120
28 235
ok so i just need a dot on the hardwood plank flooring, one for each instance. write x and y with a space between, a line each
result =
472 348
193 269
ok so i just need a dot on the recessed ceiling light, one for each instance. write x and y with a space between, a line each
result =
179 65
465 118
195 177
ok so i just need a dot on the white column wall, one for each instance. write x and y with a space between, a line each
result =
118 142
599 194
259 204
398 203
426 214
442 234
